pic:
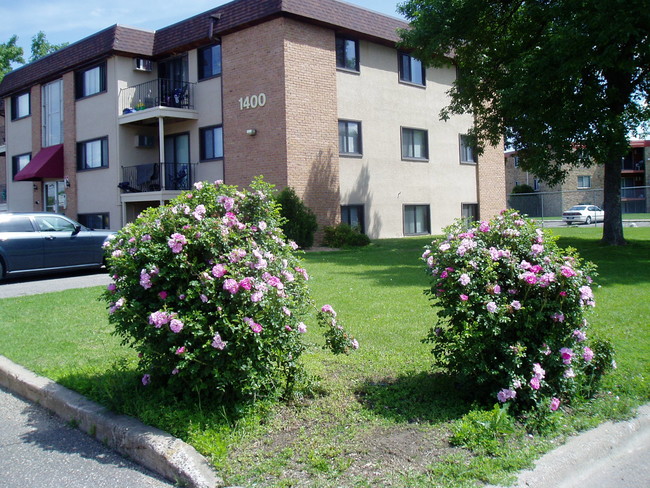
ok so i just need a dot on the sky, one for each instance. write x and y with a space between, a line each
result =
73 20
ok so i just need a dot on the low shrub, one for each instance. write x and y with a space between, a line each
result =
211 294
513 311
344 235
299 220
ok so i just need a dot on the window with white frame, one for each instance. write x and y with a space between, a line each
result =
584 181
211 143
21 106
411 70
92 154
347 53
417 220
349 137
467 151
53 113
415 144
90 81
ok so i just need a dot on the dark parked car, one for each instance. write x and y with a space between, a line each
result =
46 242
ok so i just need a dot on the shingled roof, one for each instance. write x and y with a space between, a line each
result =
200 30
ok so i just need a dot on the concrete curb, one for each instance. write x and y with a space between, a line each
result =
150 447
588 459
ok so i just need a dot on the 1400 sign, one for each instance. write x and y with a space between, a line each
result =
252 101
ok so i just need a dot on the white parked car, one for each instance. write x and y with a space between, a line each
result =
583 214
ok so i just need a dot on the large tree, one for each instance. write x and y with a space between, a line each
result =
565 81
10 53
42 47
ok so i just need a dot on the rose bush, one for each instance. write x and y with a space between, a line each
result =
513 307
210 293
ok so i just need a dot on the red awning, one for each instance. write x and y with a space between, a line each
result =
48 163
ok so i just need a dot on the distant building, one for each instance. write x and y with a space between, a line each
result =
583 185
311 94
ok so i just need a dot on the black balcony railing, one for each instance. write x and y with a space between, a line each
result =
157 93
157 177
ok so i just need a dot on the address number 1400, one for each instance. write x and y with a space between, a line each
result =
252 101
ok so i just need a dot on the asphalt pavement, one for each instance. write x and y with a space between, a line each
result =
43 450
39 450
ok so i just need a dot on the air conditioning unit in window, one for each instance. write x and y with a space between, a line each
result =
142 64
144 141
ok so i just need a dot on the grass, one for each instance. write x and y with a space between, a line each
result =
377 417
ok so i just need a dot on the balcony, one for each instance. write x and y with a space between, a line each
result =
157 98
157 177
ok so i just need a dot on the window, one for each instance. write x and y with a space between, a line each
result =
20 106
19 162
353 216
416 220
515 160
584 181
16 223
54 223
92 154
347 53
470 213
536 184
209 61
53 113
211 143
411 70
415 144
94 221
467 153
90 81
349 137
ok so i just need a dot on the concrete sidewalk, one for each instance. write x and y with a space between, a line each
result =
613 455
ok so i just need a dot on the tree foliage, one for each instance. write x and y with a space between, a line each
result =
566 81
41 47
10 53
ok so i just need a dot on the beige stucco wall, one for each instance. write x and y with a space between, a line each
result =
380 179
20 194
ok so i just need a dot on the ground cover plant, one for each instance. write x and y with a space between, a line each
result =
380 416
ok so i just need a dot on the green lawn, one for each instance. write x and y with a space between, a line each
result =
377 417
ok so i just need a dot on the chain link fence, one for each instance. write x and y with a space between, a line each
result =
549 205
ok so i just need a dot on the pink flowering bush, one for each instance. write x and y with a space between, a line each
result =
513 309
210 293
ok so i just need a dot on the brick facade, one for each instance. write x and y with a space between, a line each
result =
70 144
312 122
491 180
296 142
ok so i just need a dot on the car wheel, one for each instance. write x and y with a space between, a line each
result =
569 223
588 220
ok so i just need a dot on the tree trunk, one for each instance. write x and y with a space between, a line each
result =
613 225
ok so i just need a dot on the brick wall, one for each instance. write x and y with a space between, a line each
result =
37 140
293 65
253 63
70 144
312 121
491 181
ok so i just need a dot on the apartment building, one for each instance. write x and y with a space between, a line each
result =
582 185
312 94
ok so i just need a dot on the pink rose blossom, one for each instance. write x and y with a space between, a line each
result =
534 383
302 328
328 309
555 404
180 350
566 354
146 379
218 270
491 307
506 394
588 354
176 242
176 326
464 298
231 285
217 343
